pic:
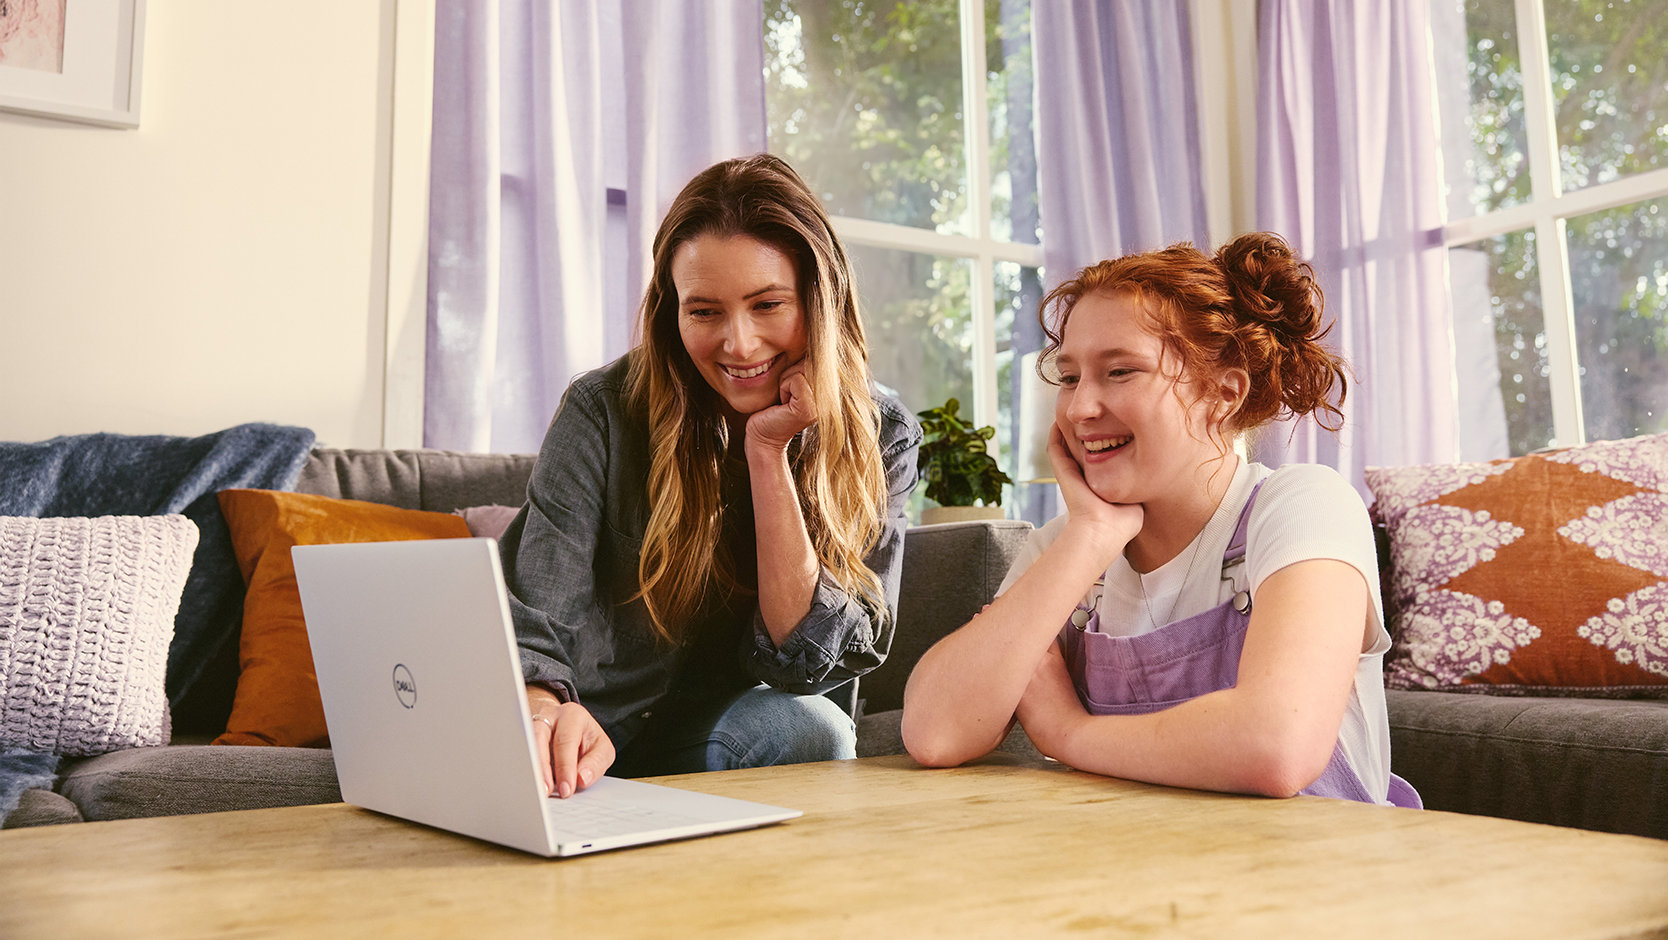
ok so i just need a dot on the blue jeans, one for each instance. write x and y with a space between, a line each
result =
760 727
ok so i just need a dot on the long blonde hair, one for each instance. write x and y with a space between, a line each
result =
837 465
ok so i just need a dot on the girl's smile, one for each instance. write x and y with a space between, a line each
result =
1132 421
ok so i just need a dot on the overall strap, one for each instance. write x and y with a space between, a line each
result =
1233 560
1236 545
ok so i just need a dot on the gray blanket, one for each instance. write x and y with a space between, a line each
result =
117 474
23 770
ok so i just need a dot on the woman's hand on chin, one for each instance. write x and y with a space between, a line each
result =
1109 525
773 428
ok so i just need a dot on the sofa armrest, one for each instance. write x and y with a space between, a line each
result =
950 572
38 807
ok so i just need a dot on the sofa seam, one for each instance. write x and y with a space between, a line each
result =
1560 744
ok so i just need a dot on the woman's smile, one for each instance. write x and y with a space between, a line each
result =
739 317
743 374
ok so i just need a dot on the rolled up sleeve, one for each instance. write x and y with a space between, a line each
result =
840 638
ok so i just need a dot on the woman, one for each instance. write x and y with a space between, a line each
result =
1192 619
713 532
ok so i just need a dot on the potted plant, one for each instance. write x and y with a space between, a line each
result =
961 476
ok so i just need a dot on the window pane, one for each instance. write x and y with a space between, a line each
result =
920 328
1610 87
1497 296
1025 405
1619 280
1013 158
864 99
1480 93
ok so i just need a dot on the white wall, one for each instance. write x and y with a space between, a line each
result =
236 257
1225 71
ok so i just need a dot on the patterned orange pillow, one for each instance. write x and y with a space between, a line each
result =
1544 575
277 699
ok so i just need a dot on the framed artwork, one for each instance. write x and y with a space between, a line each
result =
78 60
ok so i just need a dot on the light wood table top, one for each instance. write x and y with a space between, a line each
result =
1002 847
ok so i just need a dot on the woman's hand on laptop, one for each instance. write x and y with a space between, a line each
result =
573 749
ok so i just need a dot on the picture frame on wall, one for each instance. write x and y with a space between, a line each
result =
76 60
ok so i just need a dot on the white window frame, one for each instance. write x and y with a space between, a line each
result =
1546 212
982 248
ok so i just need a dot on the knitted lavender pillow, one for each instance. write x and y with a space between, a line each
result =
87 611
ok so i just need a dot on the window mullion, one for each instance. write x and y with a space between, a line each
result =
976 117
1537 100
1557 306
1551 250
857 231
1626 191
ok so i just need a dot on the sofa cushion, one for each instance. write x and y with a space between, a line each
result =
1545 574
1589 763
180 779
950 572
435 480
87 611
277 698
488 522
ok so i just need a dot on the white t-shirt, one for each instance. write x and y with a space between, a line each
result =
1304 511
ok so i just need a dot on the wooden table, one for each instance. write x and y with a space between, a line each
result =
884 849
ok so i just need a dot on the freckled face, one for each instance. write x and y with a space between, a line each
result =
1118 406
739 316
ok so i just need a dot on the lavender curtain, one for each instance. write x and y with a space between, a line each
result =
554 154
1119 167
1348 171
1118 161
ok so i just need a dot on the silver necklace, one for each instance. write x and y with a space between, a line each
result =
1187 575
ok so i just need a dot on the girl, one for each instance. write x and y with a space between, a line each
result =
1192 619
713 532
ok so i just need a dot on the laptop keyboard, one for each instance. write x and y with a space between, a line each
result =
597 818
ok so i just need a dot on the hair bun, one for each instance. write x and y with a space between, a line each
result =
1271 285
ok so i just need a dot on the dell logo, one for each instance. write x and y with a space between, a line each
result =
405 687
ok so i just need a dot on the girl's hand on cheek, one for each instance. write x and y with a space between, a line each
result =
775 427
1113 524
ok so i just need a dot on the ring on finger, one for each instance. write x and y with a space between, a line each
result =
546 720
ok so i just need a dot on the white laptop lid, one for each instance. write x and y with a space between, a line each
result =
427 712
423 696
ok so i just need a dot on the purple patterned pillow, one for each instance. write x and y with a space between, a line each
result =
1545 574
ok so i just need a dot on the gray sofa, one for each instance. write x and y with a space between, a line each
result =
1587 763
949 572
1597 764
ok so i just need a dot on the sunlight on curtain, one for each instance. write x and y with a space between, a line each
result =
562 131
1348 171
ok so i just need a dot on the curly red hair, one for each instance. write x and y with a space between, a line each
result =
1253 306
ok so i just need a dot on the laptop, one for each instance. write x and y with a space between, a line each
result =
427 711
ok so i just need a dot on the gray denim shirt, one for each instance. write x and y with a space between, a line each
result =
570 561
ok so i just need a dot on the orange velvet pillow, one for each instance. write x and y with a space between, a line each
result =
1539 575
277 699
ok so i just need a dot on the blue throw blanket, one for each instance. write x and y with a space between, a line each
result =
119 475
23 770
